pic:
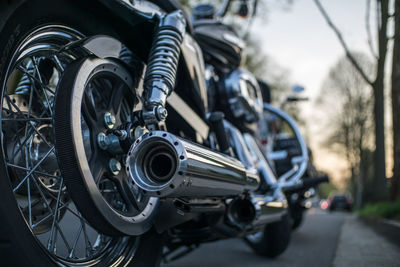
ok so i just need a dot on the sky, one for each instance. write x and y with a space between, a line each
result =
299 40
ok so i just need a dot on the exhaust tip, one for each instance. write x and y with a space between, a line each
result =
154 163
159 163
241 211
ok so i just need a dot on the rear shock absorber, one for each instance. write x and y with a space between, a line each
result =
159 80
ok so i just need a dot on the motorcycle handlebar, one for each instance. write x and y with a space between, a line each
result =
305 184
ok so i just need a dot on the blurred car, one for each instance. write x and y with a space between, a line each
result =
340 202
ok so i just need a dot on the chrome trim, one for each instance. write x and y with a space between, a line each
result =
249 153
239 146
244 95
300 163
262 164
198 171
269 208
144 8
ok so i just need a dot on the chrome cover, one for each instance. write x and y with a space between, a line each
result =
244 95
299 163
186 169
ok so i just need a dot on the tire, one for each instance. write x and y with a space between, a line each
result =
297 217
274 240
20 244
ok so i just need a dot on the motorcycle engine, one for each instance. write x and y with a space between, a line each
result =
243 96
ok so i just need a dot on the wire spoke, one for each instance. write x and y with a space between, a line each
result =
33 88
35 172
29 189
57 61
48 216
27 119
87 241
11 103
21 145
25 71
30 103
35 64
69 209
51 211
71 254
33 169
31 123
50 242
29 202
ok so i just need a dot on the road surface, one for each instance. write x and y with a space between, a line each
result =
313 244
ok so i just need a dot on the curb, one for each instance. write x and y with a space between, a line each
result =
388 228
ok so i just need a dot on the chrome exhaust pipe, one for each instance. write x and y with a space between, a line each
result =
255 211
165 165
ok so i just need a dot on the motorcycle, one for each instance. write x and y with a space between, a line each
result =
127 133
282 144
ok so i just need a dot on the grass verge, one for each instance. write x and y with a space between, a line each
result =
388 210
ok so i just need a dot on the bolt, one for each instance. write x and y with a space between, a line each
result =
109 120
115 166
122 134
103 141
162 113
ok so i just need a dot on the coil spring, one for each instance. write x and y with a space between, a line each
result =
24 85
164 57
44 70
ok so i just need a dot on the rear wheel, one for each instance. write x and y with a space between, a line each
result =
273 241
296 214
41 224
297 217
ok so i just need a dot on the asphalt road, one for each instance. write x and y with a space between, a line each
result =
313 244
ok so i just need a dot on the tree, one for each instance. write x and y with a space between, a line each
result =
395 186
346 94
377 84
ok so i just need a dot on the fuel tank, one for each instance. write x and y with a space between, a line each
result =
221 45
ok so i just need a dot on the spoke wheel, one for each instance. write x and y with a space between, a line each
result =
29 154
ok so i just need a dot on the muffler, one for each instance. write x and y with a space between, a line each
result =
165 165
258 210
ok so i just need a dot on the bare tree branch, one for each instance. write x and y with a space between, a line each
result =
378 14
368 28
343 43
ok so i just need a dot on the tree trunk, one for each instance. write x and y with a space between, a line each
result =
379 118
395 182
379 181
359 185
